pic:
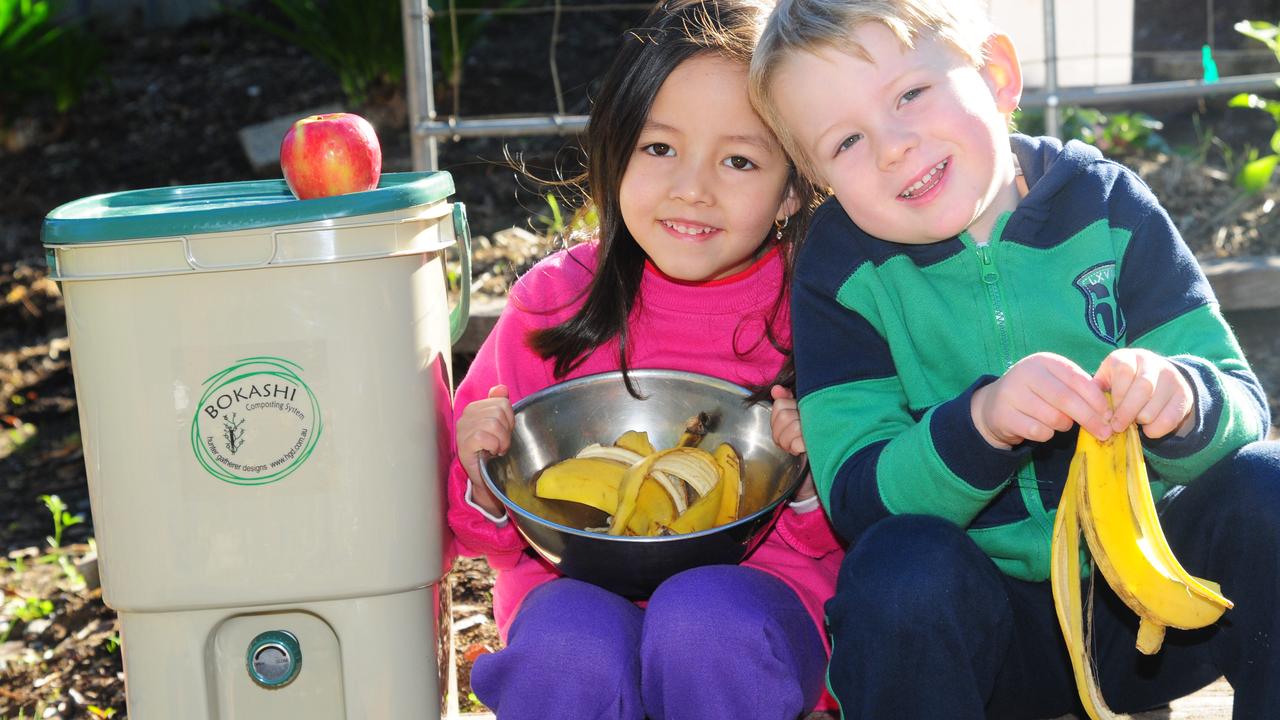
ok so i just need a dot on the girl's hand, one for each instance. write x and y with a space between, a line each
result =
1040 395
1148 389
806 490
785 422
485 425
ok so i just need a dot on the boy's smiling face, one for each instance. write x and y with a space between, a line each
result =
914 142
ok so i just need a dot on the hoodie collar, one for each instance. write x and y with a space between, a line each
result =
1047 166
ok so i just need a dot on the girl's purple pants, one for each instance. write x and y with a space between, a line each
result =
720 641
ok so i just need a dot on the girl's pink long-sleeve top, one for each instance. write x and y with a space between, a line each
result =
715 328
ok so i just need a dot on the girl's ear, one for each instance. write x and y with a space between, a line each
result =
1002 72
789 205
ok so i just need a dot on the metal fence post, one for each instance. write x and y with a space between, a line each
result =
1051 125
418 81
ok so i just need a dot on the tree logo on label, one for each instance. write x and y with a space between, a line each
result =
256 422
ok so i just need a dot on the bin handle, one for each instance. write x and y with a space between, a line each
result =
460 315
195 264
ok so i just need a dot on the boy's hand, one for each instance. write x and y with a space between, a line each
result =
785 420
1040 395
1146 388
485 425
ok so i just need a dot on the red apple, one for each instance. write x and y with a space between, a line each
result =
330 154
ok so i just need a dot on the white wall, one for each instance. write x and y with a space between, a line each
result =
1094 39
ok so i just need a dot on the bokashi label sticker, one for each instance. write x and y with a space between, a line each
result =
256 422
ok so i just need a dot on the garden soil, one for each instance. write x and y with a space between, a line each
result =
167 112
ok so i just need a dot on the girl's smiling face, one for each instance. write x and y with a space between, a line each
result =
707 179
913 141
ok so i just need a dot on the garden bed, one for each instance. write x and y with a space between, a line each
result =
170 116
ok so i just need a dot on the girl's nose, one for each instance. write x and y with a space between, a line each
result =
692 184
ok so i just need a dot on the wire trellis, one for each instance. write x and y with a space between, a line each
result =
427 129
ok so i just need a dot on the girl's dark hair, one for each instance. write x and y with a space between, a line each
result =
673 32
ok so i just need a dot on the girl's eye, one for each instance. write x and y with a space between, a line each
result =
737 162
848 142
911 94
659 149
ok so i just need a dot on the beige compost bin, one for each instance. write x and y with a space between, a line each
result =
264 397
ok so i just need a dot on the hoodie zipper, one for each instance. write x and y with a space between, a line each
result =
1028 485
991 279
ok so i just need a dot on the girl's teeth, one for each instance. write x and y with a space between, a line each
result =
688 229
928 177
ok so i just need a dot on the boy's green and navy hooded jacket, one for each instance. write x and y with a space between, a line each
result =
891 341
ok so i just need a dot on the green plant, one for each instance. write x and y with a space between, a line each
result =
33 608
361 40
1116 133
16 565
73 575
112 643
1209 149
26 610
1257 171
554 224
1123 132
61 518
15 439
38 57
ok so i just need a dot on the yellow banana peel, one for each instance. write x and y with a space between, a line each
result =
647 492
701 515
674 487
1065 580
654 509
1129 546
1108 498
695 466
589 481
637 441
679 459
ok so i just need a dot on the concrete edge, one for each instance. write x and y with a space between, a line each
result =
1243 283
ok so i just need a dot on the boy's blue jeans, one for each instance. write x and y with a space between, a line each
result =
924 626
720 641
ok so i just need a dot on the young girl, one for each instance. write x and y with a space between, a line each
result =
698 207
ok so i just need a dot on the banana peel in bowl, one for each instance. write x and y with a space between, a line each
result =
648 492
1108 498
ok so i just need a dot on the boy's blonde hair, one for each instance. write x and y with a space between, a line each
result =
811 25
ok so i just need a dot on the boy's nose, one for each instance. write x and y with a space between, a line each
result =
894 146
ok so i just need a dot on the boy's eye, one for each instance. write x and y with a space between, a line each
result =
911 94
848 142
737 162
659 149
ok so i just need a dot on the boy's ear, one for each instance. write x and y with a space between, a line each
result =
1003 72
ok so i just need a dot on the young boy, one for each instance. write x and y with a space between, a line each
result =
959 309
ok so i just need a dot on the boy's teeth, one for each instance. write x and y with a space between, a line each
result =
928 177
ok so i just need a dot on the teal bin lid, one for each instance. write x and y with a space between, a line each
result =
229 206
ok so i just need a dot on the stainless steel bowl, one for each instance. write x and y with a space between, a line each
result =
557 422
